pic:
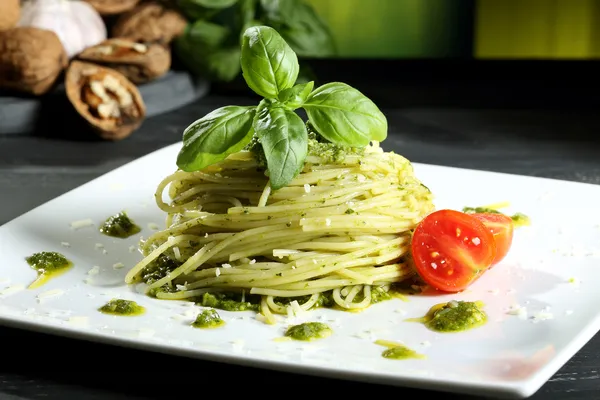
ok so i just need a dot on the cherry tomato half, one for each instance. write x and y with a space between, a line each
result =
452 249
502 228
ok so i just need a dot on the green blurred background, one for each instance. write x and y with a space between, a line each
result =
483 29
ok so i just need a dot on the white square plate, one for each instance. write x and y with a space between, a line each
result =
551 272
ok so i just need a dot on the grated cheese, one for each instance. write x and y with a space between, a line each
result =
218 272
94 271
49 294
82 223
306 188
146 332
517 310
11 290
78 320
327 222
253 261
118 265
226 265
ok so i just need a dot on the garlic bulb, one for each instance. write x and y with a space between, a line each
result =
76 23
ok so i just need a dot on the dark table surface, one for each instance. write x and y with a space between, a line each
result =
559 142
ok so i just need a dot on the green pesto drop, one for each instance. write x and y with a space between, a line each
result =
454 316
230 301
48 264
308 331
397 351
208 319
119 226
519 219
122 308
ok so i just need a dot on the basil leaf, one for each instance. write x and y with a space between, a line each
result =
307 33
206 34
210 3
284 140
344 116
278 11
202 9
216 135
269 65
295 96
201 51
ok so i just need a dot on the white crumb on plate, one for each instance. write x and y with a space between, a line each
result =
104 252
153 227
44 296
11 290
29 311
79 320
118 265
543 316
426 343
132 249
146 332
82 223
518 311
65 244
95 270
99 246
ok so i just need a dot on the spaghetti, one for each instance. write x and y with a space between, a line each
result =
339 232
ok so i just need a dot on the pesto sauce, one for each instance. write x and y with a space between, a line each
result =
519 219
48 265
308 331
454 316
317 146
397 351
229 302
158 269
122 308
208 319
119 226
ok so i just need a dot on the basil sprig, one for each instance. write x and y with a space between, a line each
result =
339 113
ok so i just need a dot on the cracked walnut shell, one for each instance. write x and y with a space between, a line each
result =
140 63
150 23
31 59
11 12
111 7
105 98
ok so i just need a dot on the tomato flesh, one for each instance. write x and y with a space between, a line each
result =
502 229
452 249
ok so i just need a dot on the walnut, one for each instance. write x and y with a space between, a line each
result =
111 7
150 22
31 59
139 62
11 12
107 100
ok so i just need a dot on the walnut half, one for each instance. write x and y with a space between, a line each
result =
111 7
140 63
31 60
150 23
107 100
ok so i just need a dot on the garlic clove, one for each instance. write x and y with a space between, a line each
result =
76 23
